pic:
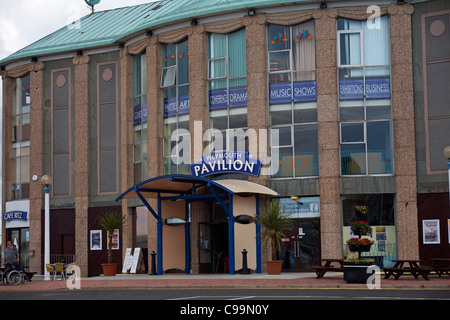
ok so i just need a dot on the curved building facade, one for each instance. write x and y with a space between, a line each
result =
322 94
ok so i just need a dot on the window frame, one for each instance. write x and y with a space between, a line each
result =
141 127
293 124
228 111
364 71
171 120
17 143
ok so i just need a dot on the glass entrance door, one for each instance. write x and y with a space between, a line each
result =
21 239
301 248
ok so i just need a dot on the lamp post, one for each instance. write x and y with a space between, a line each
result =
47 181
447 156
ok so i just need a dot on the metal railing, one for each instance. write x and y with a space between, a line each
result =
383 254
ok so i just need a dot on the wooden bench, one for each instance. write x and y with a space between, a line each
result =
415 272
441 270
321 270
396 272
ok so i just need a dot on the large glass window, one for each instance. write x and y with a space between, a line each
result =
365 97
175 84
293 99
20 157
140 118
227 88
381 218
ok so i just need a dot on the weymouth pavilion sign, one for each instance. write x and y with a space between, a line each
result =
226 162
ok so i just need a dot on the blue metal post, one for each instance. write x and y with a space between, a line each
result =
159 256
258 239
231 236
187 240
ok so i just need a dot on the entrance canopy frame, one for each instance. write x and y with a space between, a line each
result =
184 187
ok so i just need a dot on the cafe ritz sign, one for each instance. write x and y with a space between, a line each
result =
14 215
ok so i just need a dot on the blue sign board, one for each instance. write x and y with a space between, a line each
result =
376 88
304 91
219 98
170 106
226 162
140 114
15 215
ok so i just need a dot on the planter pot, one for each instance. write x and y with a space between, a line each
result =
354 248
356 272
274 267
109 269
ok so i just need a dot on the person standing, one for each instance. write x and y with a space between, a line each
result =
11 256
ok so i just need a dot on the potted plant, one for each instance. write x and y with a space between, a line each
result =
355 270
110 221
359 244
361 228
274 226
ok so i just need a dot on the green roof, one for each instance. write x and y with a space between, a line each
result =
108 27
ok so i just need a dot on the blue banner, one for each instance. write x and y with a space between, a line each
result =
140 114
237 97
304 91
376 88
170 106
15 215
226 162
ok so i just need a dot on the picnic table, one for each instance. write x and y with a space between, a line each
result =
441 265
400 268
322 269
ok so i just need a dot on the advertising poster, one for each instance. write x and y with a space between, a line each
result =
96 240
431 231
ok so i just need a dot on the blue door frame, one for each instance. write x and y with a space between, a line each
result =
188 196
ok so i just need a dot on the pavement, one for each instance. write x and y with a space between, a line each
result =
302 280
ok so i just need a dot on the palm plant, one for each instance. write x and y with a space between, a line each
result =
275 224
110 221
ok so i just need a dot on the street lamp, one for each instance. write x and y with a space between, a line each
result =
447 156
47 181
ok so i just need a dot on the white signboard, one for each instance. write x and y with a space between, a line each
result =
127 261
132 262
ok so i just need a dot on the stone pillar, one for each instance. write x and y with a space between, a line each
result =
257 104
198 90
126 142
154 130
81 161
403 131
328 133
36 159
8 84
154 109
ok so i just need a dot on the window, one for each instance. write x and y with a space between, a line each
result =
175 84
227 85
20 158
380 216
61 133
140 118
293 99
436 78
364 97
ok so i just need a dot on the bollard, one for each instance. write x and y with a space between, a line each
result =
244 269
153 271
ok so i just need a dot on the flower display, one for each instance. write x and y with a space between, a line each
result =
360 242
361 208
361 228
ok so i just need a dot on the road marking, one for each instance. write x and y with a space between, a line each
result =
243 298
